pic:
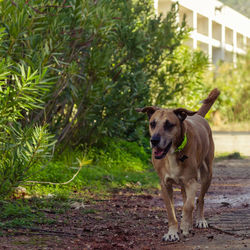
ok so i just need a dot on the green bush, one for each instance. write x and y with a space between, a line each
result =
234 84
104 57
21 148
180 81
82 67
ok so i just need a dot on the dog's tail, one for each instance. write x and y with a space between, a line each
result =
208 102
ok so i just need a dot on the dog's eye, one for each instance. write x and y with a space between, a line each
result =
153 124
168 125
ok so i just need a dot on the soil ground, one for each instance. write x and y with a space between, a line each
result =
129 220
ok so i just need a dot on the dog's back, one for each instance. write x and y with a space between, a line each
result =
202 141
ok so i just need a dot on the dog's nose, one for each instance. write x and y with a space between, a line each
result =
155 139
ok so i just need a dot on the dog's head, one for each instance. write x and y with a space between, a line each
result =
165 128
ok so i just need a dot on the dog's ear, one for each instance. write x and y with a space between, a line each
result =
149 110
183 113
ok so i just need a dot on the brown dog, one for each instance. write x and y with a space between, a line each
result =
182 150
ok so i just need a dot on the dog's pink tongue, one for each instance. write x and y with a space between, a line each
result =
158 151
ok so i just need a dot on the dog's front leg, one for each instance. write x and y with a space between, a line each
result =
191 187
167 194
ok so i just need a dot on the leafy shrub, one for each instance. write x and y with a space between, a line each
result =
179 81
234 83
104 58
21 148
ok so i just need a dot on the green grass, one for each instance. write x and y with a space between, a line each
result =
115 164
27 213
16 214
89 211
19 214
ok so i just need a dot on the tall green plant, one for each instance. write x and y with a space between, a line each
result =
21 148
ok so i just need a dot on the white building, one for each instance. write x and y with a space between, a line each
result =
220 31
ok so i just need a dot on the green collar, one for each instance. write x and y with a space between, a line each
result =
183 144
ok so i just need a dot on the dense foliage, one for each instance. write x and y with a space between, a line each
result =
21 148
104 58
179 80
77 69
234 83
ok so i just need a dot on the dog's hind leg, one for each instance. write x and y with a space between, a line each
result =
206 177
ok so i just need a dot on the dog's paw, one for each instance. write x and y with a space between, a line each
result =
186 228
202 223
171 236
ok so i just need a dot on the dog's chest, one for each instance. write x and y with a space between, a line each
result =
173 170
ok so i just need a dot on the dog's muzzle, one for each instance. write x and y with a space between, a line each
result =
159 152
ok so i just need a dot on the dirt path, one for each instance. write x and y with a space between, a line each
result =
138 221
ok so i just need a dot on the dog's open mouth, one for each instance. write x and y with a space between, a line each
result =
159 153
